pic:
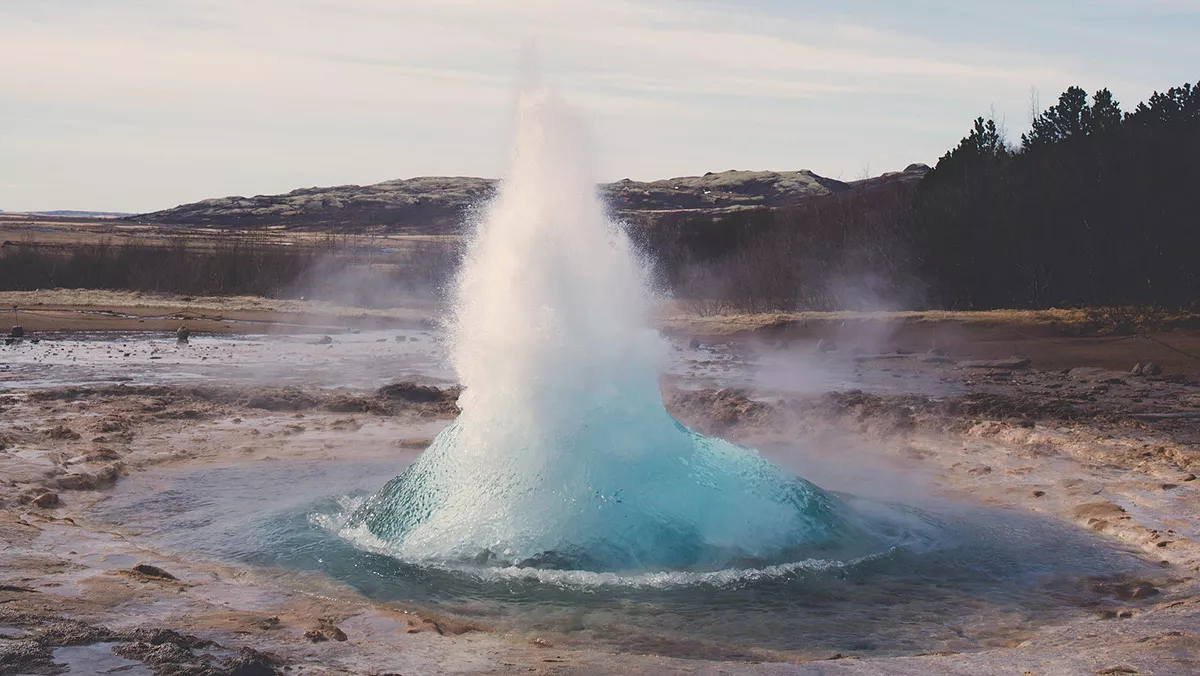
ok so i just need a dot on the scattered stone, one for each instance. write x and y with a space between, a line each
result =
47 501
148 570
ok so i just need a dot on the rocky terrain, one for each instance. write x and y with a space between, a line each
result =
78 592
1067 434
438 205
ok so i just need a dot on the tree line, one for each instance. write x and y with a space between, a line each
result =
1094 206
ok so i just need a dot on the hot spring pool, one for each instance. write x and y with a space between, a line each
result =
978 577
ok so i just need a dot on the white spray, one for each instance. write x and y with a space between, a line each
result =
564 455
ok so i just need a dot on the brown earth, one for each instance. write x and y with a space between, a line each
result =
1069 435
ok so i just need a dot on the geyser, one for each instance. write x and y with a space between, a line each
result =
563 455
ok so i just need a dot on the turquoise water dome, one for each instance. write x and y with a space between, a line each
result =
563 455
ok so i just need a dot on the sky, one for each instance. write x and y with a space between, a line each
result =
137 105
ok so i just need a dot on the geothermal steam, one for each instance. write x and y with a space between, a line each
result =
563 455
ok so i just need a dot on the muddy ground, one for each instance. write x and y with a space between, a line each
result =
1068 435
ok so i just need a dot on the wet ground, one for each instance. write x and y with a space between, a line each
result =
368 359
1070 495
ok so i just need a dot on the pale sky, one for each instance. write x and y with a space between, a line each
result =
136 105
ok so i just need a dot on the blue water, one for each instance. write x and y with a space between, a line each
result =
658 499
976 578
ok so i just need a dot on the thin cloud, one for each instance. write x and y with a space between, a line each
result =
268 92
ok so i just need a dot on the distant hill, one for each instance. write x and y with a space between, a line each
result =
437 205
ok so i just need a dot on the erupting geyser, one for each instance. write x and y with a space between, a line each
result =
563 455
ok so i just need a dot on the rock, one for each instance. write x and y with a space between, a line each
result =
826 345
182 334
16 332
1137 369
16 588
1126 590
47 501
1095 374
249 662
148 570
694 344
412 393
101 455
62 432
76 481
109 474
26 657
325 630
1038 494
163 654
1009 364
269 623
325 340
1151 369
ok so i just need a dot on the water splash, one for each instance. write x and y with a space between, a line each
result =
564 456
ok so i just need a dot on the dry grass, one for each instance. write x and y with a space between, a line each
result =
677 319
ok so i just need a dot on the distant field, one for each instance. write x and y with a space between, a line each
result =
54 231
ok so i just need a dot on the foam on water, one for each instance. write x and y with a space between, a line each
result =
563 456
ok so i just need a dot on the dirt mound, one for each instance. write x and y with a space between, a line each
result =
427 397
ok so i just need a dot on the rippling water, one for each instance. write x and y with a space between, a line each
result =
986 576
